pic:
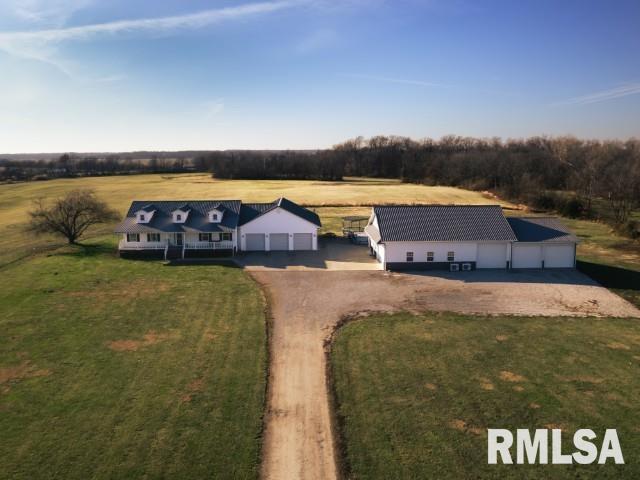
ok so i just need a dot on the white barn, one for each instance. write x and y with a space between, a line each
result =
466 237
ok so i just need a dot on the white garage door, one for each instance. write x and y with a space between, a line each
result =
255 241
558 256
278 241
491 255
302 241
526 256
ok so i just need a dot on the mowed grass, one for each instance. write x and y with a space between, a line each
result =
119 191
417 393
129 369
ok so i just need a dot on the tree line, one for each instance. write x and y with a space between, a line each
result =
587 178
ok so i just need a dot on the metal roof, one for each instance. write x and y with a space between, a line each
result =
443 223
250 211
197 221
235 213
541 229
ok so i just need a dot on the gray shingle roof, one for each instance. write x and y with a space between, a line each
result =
540 229
443 223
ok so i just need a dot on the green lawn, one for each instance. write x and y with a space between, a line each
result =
129 369
417 393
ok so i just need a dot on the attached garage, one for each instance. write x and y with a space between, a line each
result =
302 241
278 226
255 242
526 256
279 241
492 255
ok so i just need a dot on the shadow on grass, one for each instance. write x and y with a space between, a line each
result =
86 250
202 262
610 276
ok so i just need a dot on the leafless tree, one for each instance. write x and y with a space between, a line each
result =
71 215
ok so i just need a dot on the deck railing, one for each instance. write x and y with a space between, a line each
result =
124 245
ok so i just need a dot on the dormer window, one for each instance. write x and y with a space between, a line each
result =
215 215
178 217
144 215
142 218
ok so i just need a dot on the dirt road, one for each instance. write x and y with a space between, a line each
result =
307 304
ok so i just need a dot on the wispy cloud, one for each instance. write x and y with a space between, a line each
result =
49 12
403 81
42 44
603 96
145 25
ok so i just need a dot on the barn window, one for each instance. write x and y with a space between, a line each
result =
133 237
409 256
153 237
429 256
451 256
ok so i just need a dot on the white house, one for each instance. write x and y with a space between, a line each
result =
466 237
200 228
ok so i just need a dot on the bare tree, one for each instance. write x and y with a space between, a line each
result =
71 215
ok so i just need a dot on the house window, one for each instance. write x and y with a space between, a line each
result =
451 256
226 236
215 237
409 256
142 218
214 216
178 217
133 237
204 237
429 256
153 237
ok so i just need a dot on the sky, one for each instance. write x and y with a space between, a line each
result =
90 75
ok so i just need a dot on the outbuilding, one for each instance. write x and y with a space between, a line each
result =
466 237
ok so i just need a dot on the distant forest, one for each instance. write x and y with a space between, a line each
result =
566 174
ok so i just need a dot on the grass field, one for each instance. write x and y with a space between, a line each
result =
599 243
416 394
16 199
125 369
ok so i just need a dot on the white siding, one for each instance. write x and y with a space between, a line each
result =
397 251
279 221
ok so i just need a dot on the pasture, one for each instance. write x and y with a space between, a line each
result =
124 369
416 394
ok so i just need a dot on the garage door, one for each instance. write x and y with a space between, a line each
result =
255 241
526 256
558 256
278 241
492 256
302 241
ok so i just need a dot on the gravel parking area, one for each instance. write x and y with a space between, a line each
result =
307 304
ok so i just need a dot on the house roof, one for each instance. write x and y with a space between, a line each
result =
251 211
197 221
540 229
442 223
235 213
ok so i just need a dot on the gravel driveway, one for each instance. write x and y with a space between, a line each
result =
306 305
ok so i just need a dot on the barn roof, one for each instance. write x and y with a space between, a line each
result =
540 229
442 223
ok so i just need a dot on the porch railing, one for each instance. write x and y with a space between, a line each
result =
225 245
124 245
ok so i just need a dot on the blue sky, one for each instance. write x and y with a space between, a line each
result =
89 75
